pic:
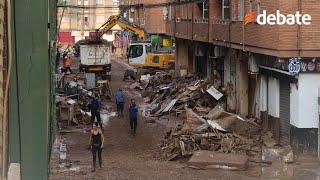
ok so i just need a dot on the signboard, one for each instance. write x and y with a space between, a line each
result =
167 42
294 66
312 66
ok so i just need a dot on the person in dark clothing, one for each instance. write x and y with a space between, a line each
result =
94 107
57 59
96 144
133 115
120 97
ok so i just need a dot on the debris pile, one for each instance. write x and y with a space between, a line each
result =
218 131
167 93
75 92
206 126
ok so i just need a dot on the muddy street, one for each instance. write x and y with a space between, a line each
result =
126 157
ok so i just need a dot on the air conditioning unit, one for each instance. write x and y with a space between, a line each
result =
219 51
199 51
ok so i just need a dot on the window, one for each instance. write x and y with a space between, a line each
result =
99 2
155 59
241 12
135 51
85 2
205 10
226 9
258 8
149 48
109 32
86 21
170 13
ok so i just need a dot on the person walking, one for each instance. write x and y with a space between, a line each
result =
120 98
67 64
57 59
94 107
96 143
133 116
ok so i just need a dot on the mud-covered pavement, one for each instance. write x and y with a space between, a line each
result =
135 158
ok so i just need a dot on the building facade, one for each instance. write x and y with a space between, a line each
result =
269 72
148 14
77 18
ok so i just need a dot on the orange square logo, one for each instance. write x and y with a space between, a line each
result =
250 17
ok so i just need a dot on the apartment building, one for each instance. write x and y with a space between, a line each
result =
77 18
148 14
151 15
271 72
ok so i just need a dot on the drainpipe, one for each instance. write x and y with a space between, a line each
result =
243 26
299 32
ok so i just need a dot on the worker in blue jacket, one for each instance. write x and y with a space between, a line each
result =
133 115
120 98
94 107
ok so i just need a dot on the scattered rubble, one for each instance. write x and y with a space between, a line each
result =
74 95
206 127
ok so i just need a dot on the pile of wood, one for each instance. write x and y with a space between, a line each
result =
174 93
226 134
74 96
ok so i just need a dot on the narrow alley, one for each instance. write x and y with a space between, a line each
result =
125 156
128 157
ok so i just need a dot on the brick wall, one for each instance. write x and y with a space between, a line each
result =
151 18
282 41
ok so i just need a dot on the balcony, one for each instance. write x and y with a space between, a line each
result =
184 28
220 31
170 25
201 30
255 35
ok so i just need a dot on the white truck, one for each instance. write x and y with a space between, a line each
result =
95 58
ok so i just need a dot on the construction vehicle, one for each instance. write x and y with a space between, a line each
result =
140 54
95 57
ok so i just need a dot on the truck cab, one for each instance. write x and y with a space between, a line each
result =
137 53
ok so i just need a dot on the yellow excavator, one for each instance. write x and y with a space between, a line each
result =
140 54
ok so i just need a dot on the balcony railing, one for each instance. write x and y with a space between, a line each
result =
220 30
183 28
201 30
170 28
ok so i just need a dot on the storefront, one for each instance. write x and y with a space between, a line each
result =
288 100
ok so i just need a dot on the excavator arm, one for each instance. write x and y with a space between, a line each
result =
116 20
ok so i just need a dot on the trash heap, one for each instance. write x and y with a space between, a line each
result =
74 93
205 125
170 94
217 131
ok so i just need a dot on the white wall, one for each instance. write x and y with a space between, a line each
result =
263 93
274 97
308 101
294 105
